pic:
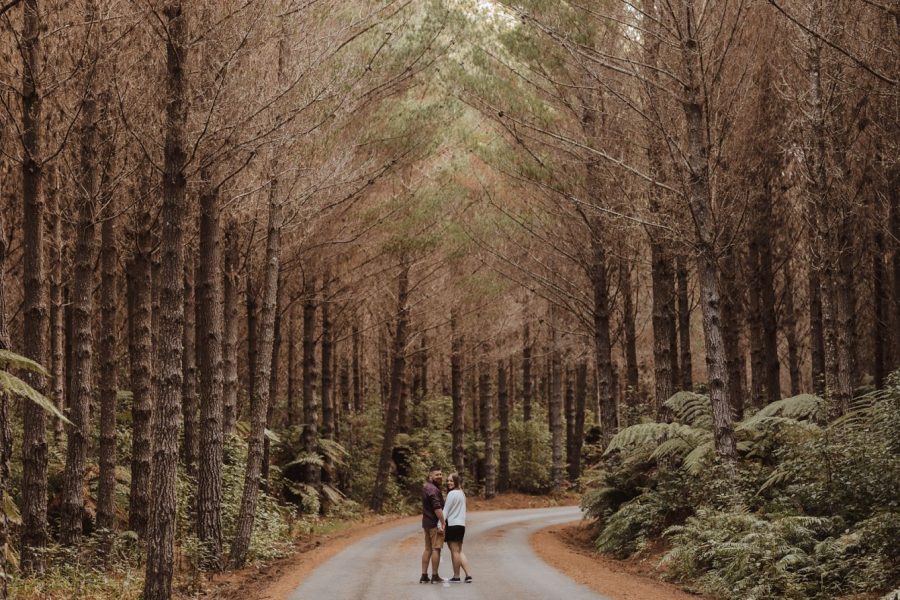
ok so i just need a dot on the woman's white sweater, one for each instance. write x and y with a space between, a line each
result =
455 508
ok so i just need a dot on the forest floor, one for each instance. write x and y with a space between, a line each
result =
570 549
276 580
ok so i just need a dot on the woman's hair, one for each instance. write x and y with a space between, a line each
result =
457 481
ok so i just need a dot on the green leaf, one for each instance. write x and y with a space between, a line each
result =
10 360
11 511
273 437
14 385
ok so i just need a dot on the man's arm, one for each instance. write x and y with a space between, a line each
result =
440 515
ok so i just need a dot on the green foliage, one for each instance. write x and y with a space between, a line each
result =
529 455
810 510
13 385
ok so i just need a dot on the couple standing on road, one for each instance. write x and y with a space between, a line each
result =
443 522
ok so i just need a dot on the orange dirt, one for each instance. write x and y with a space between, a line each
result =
568 548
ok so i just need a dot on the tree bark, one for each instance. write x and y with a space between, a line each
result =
356 369
700 200
34 436
79 433
310 437
260 393
273 392
789 320
161 530
580 398
293 383
456 394
630 338
486 401
569 405
327 375
190 402
398 373
57 322
816 331
526 375
210 328
140 352
555 412
684 325
109 374
230 285
5 433
252 332
503 410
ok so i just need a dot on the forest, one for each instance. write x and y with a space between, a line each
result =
264 262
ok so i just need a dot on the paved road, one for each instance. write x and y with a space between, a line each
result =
385 566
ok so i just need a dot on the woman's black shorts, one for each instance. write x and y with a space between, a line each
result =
455 533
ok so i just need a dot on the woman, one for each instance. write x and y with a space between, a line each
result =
455 513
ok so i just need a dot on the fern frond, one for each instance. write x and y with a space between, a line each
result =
697 458
16 386
307 458
652 434
805 407
691 409
9 360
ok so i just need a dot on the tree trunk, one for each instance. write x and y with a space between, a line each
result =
273 392
229 341
79 433
816 331
34 436
293 383
140 353
754 324
310 435
684 325
486 401
789 319
609 420
356 369
252 332
458 427
57 322
210 328
700 200
580 398
569 405
161 530
555 412
630 338
327 375
880 298
260 394
109 373
526 375
5 433
190 403
503 408
398 373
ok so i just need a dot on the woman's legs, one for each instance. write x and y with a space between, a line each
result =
455 552
461 560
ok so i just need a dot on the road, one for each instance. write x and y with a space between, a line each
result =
386 565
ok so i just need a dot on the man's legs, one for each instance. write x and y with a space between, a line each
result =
435 560
426 555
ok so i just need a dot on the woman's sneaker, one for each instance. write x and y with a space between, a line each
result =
424 578
436 579
455 580
468 579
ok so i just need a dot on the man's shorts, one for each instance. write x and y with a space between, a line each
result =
434 539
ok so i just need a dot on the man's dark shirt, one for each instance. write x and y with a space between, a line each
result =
432 499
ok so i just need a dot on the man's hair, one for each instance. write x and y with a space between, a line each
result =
433 469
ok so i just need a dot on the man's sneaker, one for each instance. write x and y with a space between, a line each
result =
455 580
468 579
424 578
436 579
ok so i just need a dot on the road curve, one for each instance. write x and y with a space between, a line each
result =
386 565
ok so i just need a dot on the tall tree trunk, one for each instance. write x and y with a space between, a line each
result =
310 435
140 353
486 401
5 433
894 200
816 331
684 324
57 322
555 414
503 410
79 433
230 285
210 328
109 374
190 403
273 392
458 427
754 324
260 394
609 420
630 338
356 369
34 435
789 319
398 374
161 530
569 406
880 298
768 303
732 320
293 383
580 398
700 200
526 375
327 392
252 331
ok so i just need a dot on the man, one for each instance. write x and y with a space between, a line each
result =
433 523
